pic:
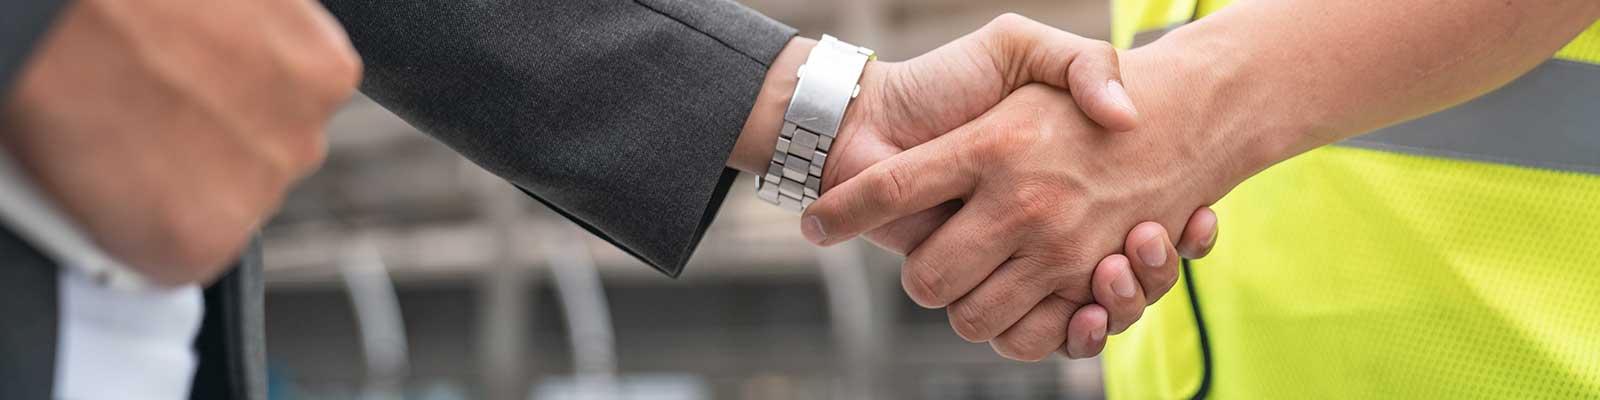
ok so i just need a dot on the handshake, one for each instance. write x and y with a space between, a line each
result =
1001 165
143 143
1010 166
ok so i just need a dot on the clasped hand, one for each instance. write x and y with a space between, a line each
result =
998 165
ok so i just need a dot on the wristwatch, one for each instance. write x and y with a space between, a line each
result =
828 81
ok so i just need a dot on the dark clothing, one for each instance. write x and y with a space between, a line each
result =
619 114
28 306
22 24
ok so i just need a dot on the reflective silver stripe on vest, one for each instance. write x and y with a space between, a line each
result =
1549 118
1144 38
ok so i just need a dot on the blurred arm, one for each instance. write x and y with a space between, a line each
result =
1261 81
620 115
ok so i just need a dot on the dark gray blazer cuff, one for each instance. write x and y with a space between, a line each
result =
618 114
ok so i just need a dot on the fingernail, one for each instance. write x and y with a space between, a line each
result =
1153 253
1119 96
1123 287
1212 239
1097 334
812 228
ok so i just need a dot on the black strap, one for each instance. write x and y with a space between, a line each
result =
1200 330
230 345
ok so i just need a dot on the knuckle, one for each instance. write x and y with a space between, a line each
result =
1020 349
307 152
1058 278
1035 350
293 153
1010 20
331 69
1101 47
1028 343
1007 347
923 282
1073 291
1037 201
1008 31
968 323
1065 280
196 239
892 186
1038 275
342 69
1006 138
347 67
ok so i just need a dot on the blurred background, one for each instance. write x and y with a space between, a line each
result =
400 270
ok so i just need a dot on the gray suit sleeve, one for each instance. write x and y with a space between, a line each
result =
619 114
22 24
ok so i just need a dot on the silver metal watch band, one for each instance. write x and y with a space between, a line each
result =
828 81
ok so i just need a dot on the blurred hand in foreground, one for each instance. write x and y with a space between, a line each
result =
169 129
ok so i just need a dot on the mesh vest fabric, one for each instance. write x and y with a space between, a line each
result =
1359 273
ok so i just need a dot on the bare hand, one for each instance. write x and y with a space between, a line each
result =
1042 193
907 104
169 129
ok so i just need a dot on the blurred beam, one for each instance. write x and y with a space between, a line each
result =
461 252
858 329
377 310
504 313
505 292
588 315
863 22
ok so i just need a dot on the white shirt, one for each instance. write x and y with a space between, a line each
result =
119 336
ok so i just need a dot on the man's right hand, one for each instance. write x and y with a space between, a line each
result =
169 129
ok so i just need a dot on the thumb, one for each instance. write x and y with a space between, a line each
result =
1088 68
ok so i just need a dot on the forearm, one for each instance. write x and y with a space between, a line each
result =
1262 81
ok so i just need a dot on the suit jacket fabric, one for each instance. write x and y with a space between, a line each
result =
619 114
28 323
22 23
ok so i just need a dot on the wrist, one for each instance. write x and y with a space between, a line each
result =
753 150
859 119
1199 95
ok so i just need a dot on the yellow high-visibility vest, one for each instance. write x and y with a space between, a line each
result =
1454 256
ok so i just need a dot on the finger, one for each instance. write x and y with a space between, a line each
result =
1155 261
1003 298
957 257
1199 235
1086 332
1086 67
1095 80
320 28
1040 332
1116 289
915 180
904 234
